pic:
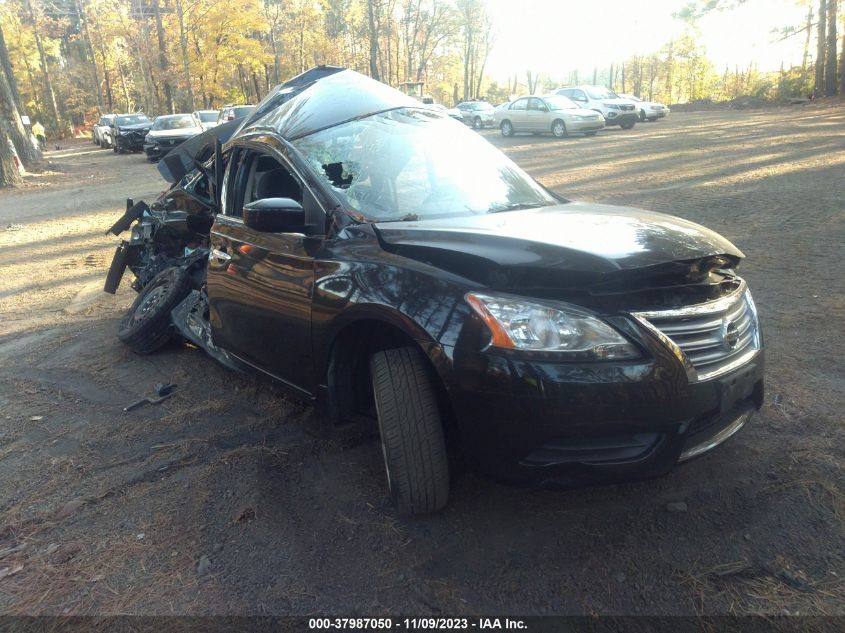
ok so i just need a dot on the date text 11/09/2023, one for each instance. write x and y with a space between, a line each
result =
416 624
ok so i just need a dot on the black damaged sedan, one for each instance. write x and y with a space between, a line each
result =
377 258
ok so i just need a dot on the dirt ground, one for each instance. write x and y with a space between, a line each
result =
232 499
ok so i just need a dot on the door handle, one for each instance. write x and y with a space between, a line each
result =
221 255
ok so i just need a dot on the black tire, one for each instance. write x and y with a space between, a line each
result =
506 128
589 133
652 119
559 129
477 124
412 441
146 326
642 115
628 126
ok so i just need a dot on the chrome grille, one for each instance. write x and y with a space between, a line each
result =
626 107
710 338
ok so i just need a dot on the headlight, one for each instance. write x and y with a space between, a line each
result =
581 117
524 325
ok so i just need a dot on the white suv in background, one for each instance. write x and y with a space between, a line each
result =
615 109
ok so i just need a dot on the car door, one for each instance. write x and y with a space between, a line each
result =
518 115
260 284
537 113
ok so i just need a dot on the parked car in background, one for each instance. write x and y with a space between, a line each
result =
478 114
101 132
128 132
207 118
167 132
550 114
614 109
232 112
377 258
647 110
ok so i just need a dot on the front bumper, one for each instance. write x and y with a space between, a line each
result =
567 424
129 142
616 117
161 147
585 126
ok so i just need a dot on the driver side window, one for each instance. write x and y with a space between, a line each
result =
261 176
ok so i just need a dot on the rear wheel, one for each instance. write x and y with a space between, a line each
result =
146 326
589 133
411 429
559 129
506 128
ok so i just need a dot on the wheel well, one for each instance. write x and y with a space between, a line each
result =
349 382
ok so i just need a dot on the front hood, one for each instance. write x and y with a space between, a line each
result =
582 112
135 127
576 237
180 133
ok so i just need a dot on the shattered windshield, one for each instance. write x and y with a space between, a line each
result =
176 122
409 164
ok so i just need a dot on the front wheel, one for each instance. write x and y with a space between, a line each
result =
642 115
559 129
628 126
146 326
476 123
411 429
589 133
506 128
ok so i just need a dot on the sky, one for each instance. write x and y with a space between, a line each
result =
553 37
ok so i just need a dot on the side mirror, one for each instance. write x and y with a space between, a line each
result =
275 215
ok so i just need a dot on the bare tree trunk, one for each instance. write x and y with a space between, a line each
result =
164 64
48 83
101 46
371 17
9 174
13 126
89 51
6 66
807 39
821 33
256 86
830 73
842 67
186 66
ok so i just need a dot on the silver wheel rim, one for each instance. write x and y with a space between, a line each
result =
558 129
506 128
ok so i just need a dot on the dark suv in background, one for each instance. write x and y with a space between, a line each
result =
335 242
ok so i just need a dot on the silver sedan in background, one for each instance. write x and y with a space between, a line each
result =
550 114
648 110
